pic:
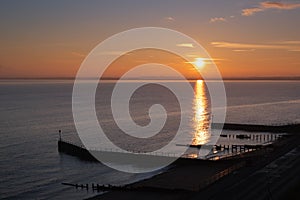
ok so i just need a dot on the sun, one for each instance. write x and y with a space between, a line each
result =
199 62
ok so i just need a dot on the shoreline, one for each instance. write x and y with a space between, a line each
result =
183 180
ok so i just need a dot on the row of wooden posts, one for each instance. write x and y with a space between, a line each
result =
97 187
202 184
236 148
257 137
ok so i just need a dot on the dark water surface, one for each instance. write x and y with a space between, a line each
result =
33 111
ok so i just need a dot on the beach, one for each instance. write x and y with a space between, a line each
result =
185 178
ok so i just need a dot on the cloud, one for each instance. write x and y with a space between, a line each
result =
293 42
270 5
280 5
169 18
208 60
218 19
114 53
251 11
240 47
185 45
243 50
233 45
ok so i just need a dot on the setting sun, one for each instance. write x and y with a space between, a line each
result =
199 62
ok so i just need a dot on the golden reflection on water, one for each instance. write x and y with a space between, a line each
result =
201 114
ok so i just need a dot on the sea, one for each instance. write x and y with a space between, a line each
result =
32 112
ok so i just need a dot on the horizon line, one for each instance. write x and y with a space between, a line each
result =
154 78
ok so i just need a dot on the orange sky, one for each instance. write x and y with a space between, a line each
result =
245 39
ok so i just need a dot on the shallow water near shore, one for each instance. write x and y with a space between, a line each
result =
33 111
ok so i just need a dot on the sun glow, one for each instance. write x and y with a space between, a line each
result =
199 62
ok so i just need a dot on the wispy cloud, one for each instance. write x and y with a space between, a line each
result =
251 11
292 42
280 5
169 18
246 45
190 45
207 60
217 19
240 47
243 50
270 5
113 53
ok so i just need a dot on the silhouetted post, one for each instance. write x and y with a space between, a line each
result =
59 132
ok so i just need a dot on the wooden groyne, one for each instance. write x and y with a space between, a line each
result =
140 187
98 187
110 154
289 128
262 138
75 150
84 154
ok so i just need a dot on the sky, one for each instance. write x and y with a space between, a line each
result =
244 38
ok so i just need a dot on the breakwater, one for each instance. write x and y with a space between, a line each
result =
82 153
231 167
288 128
111 155
85 154
75 150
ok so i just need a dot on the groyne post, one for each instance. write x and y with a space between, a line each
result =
59 133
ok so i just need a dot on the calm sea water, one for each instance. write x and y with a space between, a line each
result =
33 111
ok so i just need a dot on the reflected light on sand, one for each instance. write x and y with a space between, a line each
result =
201 114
